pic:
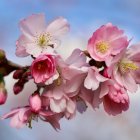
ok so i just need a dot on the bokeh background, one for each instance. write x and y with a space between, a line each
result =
84 17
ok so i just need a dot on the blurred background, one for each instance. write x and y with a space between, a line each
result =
84 17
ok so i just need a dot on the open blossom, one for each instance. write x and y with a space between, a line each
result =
60 102
106 42
63 91
125 68
43 68
25 115
38 37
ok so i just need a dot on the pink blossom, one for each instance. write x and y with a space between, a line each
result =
63 91
25 115
106 42
43 68
60 102
125 68
37 37
115 98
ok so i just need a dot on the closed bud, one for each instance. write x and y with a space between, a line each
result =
35 102
18 74
17 88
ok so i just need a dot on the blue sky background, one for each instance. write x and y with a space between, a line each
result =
84 17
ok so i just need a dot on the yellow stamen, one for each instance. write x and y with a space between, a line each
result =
128 66
43 39
102 47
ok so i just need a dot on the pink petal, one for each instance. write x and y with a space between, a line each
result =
129 83
33 49
71 106
32 25
118 45
99 77
58 105
91 82
58 27
117 75
10 114
20 46
58 92
77 58
74 85
16 123
46 113
23 115
87 95
113 108
54 120
104 89
96 100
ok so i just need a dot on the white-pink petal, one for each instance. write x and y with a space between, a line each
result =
58 27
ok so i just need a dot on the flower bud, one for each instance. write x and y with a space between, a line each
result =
17 88
35 102
3 94
18 74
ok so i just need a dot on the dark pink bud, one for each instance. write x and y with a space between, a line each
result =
17 88
18 74
35 102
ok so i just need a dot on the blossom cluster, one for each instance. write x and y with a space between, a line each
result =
102 74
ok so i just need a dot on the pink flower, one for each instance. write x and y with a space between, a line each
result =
25 115
106 42
3 94
43 68
37 37
35 102
115 98
60 102
63 91
125 68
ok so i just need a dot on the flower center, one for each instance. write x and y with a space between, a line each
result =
41 66
43 39
102 47
127 67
